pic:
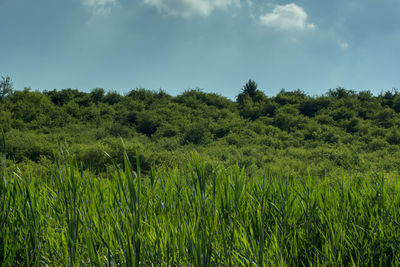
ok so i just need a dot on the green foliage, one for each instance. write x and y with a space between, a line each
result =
251 92
393 136
196 98
284 97
310 107
254 130
97 95
64 96
112 98
287 180
251 110
39 146
386 117
287 118
167 130
5 120
198 215
148 122
341 93
6 87
198 134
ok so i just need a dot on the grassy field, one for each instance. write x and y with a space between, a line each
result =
200 215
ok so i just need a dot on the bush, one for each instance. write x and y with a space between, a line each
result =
93 157
198 134
377 144
148 122
394 136
119 130
19 149
167 130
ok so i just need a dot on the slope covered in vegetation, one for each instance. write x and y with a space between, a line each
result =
341 130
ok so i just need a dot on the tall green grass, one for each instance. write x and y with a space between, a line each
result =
200 215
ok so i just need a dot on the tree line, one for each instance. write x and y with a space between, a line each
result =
341 129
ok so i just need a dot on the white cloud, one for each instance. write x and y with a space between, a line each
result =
100 6
287 17
343 45
189 8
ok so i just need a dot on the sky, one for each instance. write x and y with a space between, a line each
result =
212 45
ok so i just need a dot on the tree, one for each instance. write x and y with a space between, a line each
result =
6 87
62 97
249 90
97 95
341 93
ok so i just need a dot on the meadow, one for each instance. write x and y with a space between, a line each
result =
200 215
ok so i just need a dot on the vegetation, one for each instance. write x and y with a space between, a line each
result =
288 180
201 215
339 131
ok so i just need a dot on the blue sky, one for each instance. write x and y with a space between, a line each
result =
215 45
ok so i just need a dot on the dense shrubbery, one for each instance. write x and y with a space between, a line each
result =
261 130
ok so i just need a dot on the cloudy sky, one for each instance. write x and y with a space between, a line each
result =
215 45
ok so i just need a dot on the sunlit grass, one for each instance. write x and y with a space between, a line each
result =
197 216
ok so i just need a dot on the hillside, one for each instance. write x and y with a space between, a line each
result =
340 130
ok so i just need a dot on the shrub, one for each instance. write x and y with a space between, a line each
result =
198 134
148 122
377 144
